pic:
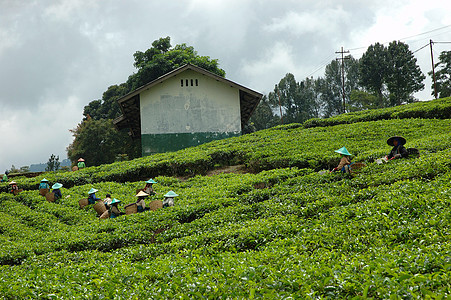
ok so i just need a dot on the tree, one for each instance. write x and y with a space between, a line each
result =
403 76
373 69
360 100
443 75
161 59
99 142
331 86
14 169
107 107
295 100
53 164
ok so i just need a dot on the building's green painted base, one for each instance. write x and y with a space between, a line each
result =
159 143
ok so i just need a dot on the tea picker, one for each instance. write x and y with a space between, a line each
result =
92 196
345 161
81 163
169 199
56 190
141 204
114 210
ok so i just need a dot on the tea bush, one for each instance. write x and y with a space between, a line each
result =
284 231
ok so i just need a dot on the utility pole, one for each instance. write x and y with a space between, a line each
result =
433 69
342 52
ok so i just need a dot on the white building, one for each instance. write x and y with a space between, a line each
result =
186 107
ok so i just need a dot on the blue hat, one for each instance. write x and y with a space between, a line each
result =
151 181
44 180
343 151
115 201
170 194
57 186
92 191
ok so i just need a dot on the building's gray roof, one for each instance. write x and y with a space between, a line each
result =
130 105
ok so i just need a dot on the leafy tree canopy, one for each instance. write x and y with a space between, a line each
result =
403 76
373 68
99 142
443 75
391 69
161 59
53 164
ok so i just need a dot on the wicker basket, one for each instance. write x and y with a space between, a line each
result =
74 168
105 215
83 202
50 197
155 204
42 192
131 208
99 207
413 152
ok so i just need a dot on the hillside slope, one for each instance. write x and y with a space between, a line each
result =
281 231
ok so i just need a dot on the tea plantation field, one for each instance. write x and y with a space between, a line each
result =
280 231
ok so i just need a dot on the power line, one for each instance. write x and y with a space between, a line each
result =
420 48
425 32
322 64
437 29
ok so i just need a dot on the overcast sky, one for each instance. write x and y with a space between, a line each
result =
57 56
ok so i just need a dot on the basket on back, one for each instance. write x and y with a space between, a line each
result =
74 168
42 192
155 204
131 208
99 207
83 202
50 197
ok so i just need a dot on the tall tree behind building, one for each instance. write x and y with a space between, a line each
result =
296 99
403 77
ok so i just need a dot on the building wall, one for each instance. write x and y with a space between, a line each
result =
187 110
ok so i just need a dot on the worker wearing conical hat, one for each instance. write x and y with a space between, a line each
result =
141 204
149 188
14 187
56 190
345 161
114 210
398 150
81 163
169 199
44 184
92 196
